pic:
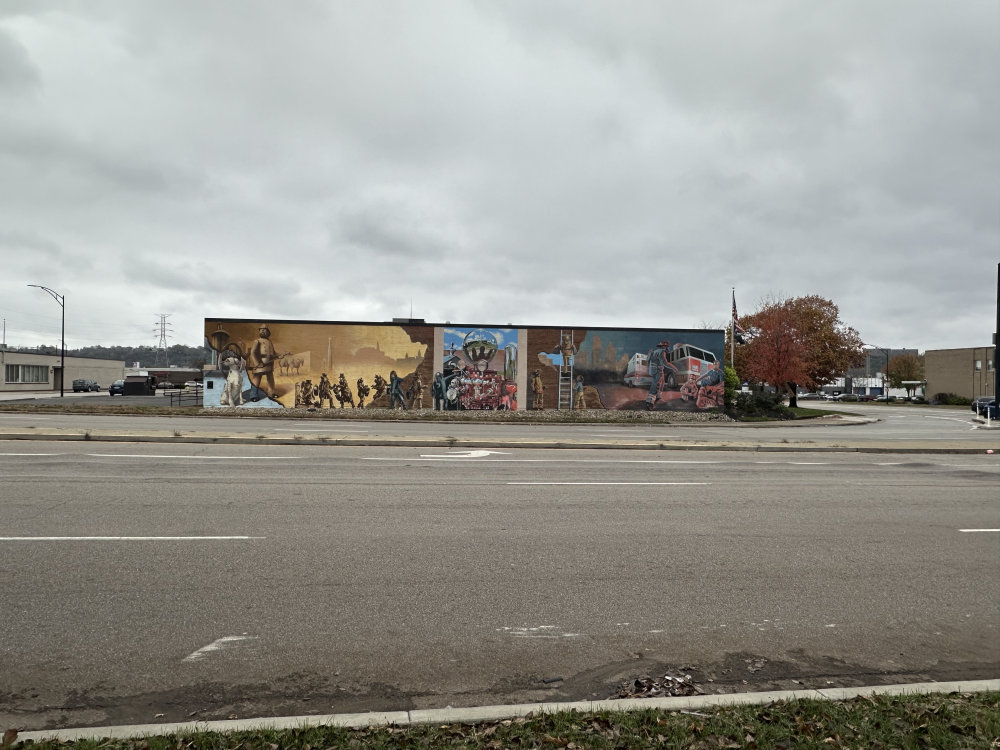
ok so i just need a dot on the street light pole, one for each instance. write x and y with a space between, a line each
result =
61 299
885 376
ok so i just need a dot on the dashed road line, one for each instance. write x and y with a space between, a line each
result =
127 538
609 484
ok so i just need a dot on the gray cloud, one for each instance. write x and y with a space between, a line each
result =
558 162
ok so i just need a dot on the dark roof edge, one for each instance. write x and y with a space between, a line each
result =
277 321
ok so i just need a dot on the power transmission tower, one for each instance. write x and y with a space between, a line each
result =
166 332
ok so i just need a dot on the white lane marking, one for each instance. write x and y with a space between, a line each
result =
549 460
628 434
975 531
31 454
125 538
609 484
217 645
809 463
540 631
200 458
304 429
465 454
952 419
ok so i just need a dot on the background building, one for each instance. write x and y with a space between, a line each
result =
869 378
965 372
27 371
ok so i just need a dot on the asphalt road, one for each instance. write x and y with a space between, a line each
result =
378 578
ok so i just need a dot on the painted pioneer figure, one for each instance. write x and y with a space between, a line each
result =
537 390
344 395
263 356
305 393
363 391
417 392
325 391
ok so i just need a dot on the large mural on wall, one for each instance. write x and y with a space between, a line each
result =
286 364
632 369
320 365
478 369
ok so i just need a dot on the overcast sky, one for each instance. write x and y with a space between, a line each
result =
491 162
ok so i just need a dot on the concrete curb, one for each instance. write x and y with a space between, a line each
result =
499 713
805 447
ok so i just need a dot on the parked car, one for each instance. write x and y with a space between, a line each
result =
118 387
85 385
867 397
810 396
978 404
848 397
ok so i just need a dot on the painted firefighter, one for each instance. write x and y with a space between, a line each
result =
711 388
537 390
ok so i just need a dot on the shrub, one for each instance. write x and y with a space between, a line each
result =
732 386
761 404
950 399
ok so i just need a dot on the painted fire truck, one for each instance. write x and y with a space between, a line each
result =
470 389
683 360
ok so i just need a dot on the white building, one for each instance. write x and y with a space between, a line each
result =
28 371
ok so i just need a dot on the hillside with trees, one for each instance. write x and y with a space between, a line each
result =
146 356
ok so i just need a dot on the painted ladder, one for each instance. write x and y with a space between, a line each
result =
566 379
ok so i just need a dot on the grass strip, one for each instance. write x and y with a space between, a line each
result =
956 720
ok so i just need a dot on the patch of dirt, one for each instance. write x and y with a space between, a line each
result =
744 672
306 693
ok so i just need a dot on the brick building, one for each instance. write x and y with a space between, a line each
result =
965 372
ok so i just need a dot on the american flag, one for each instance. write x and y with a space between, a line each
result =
736 320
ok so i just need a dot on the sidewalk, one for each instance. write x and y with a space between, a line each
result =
480 714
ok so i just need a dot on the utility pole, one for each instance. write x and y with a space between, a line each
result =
163 327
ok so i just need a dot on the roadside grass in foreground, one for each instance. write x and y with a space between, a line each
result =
942 722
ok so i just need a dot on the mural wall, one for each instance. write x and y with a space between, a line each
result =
478 369
287 364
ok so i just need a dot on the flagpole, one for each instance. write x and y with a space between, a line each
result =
732 334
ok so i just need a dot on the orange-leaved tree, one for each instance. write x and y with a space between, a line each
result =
794 342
